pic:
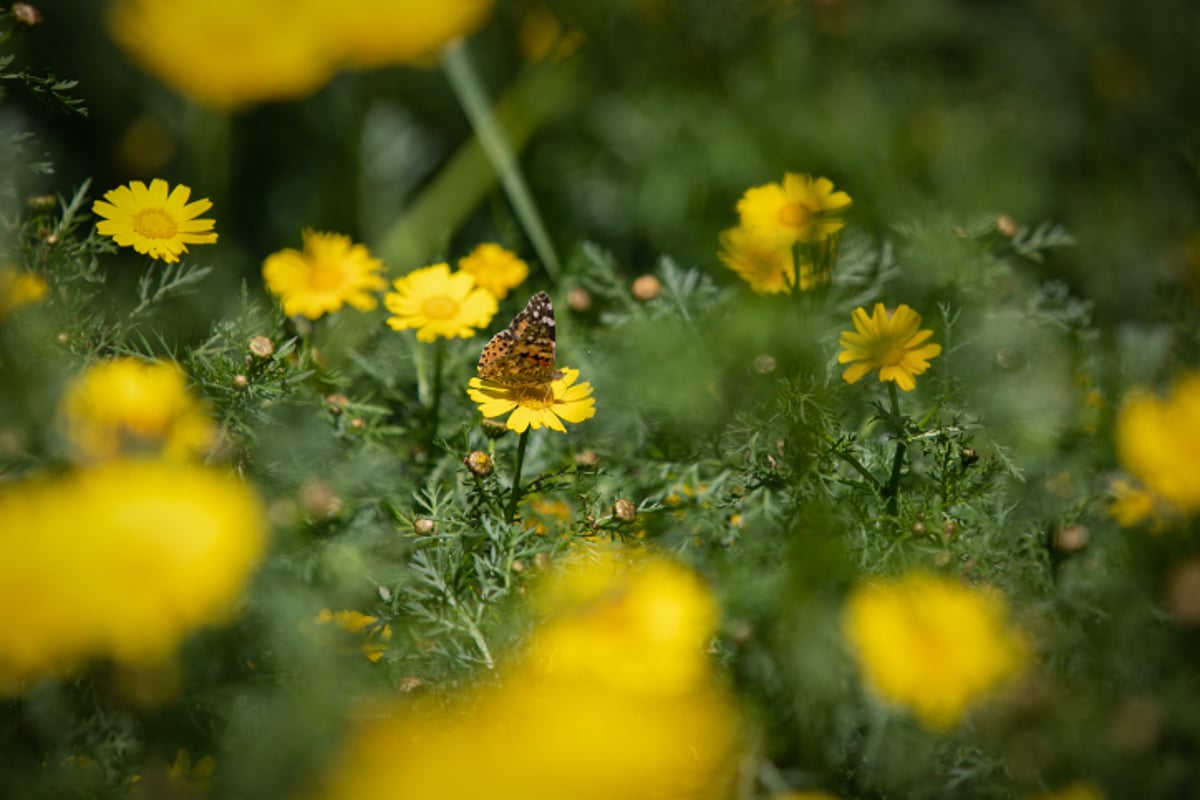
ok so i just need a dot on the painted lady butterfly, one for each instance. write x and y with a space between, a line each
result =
523 353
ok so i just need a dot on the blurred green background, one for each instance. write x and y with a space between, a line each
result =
1077 112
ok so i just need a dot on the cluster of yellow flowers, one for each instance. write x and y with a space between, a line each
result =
613 696
216 51
774 219
126 554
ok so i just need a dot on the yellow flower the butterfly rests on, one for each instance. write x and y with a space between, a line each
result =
517 373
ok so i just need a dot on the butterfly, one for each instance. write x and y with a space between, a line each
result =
523 353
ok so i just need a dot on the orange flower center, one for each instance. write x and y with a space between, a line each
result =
154 223
794 215
888 352
325 277
537 398
440 307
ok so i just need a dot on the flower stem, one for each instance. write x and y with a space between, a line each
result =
469 89
892 490
435 402
516 481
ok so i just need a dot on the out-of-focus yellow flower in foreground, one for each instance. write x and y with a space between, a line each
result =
19 289
120 561
153 221
536 406
229 53
614 697
494 268
439 304
1158 439
376 33
371 635
801 209
889 341
331 272
132 407
1079 790
931 644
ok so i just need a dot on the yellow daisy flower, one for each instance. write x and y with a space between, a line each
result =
131 407
889 342
330 273
1157 439
439 304
767 266
801 209
931 644
229 53
18 289
153 222
495 268
536 406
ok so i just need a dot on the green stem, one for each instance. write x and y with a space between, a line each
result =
516 481
852 461
892 490
435 403
468 88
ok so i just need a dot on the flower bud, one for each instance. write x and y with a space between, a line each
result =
319 500
579 299
625 510
646 287
26 14
42 202
1006 226
240 381
423 525
262 347
493 429
479 463
1070 538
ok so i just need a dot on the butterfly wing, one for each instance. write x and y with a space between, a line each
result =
524 353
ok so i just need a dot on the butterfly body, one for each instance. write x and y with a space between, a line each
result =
523 353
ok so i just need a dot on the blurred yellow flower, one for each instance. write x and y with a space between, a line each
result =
196 777
131 407
438 304
153 221
494 268
536 406
605 604
375 33
1078 790
19 289
931 644
1132 504
800 209
767 266
120 561
373 635
331 272
229 53
613 698
1158 438
889 341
